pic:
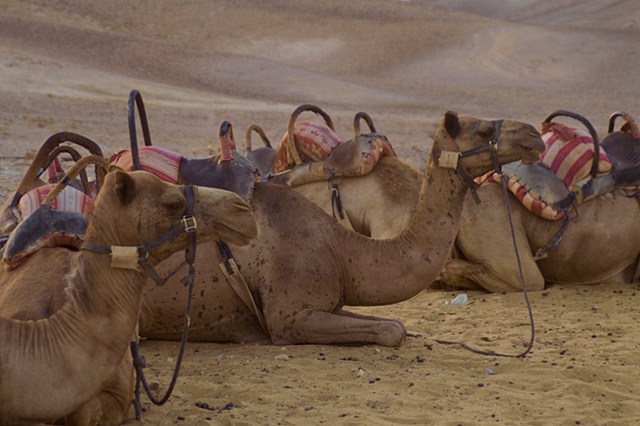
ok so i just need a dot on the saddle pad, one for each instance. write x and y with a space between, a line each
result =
537 188
569 153
314 142
157 161
70 199
44 228
544 188
370 148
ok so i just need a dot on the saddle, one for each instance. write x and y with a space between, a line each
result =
52 215
229 171
312 152
573 169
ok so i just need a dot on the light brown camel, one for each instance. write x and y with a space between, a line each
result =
591 251
485 256
67 317
304 267
488 258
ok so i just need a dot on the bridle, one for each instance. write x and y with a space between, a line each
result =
450 159
132 257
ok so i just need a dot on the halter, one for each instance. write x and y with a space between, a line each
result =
132 257
450 159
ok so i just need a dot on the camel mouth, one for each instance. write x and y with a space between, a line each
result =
532 149
531 155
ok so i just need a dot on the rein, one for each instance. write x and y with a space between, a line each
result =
492 148
130 257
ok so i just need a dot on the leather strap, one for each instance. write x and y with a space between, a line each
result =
230 270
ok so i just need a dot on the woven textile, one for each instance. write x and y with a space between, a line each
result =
314 142
69 200
569 153
157 161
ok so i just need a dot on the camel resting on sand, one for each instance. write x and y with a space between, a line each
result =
67 317
304 267
485 256
592 250
600 244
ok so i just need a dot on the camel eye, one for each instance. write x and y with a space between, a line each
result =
174 208
486 133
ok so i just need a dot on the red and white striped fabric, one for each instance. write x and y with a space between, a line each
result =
529 200
157 161
314 141
569 153
70 199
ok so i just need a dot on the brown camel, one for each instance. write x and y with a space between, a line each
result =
485 256
589 253
67 317
304 267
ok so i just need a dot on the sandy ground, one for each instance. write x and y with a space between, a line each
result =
70 65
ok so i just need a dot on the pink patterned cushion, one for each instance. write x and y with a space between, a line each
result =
70 199
160 162
569 153
314 142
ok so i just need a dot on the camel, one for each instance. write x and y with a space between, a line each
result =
591 251
484 253
67 317
304 267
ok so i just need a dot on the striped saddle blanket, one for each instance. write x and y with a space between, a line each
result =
568 159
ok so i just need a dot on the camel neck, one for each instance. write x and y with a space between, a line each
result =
89 333
409 263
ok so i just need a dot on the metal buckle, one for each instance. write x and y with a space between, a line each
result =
189 223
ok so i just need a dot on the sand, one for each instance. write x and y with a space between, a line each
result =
70 65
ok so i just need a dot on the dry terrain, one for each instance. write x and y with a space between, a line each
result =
70 65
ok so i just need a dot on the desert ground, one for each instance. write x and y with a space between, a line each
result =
69 65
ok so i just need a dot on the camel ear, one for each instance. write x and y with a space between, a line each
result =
125 187
452 124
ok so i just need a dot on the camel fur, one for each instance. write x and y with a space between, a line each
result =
304 267
67 317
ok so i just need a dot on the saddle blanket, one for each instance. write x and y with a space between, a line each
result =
157 161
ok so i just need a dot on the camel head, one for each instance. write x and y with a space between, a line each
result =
139 208
466 143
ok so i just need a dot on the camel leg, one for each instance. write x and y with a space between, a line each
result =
486 242
110 407
318 327
467 275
